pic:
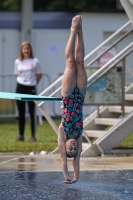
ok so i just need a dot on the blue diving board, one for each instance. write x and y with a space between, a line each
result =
27 97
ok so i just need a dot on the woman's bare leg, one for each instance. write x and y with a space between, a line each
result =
69 77
79 50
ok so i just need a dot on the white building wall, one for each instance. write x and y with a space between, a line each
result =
9 40
49 46
9 48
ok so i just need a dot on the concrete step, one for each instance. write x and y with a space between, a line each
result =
129 97
84 145
95 133
106 121
118 109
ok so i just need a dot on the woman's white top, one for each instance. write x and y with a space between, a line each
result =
26 71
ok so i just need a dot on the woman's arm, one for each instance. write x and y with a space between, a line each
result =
38 77
76 160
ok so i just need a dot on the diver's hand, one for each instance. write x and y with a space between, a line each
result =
74 180
68 180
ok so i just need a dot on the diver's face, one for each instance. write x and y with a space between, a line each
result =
71 147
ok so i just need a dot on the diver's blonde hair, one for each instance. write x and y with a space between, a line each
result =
71 155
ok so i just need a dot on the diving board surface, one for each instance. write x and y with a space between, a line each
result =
27 97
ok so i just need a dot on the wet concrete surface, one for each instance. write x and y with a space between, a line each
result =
51 162
38 177
96 185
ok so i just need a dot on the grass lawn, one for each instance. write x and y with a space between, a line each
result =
126 143
45 138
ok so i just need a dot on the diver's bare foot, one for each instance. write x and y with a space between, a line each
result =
75 23
80 23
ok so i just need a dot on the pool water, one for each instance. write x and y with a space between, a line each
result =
92 185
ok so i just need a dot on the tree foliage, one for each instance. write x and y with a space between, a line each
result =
59 5
10 5
72 5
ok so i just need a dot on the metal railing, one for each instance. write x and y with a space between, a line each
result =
114 61
8 84
108 66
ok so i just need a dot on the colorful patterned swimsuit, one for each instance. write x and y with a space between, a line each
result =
72 118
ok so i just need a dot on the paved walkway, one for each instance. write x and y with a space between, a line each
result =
48 162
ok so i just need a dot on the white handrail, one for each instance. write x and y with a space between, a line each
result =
51 86
107 40
110 61
55 92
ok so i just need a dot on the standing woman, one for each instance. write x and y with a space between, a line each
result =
28 71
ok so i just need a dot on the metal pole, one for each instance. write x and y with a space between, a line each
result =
123 87
128 6
26 20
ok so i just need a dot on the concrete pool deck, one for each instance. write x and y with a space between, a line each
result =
39 177
51 162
